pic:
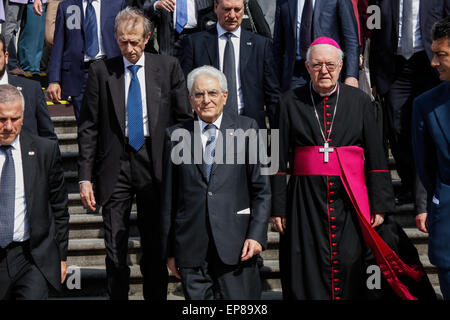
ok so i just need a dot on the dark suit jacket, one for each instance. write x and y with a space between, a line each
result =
46 202
431 145
164 22
66 61
232 188
101 133
384 41
36 118
331 18
258 76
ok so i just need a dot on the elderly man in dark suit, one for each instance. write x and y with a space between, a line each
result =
244 57
215 211
84 33
298 23
36 118
34 222
130 100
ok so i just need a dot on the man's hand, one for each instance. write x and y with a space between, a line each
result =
37 7
421 222
87 195
251 248
168 5
352 81
173 267
63 271
54 91
377 219
278 223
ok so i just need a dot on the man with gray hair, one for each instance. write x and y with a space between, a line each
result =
34 222
129 101
336 202
215 211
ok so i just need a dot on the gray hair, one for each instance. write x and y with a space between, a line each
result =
210 71
9 93
340 52
132 14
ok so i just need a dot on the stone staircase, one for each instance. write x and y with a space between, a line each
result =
86 257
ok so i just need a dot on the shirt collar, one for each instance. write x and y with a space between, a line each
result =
16 143
221 31
217 123
4 79
325 94
140 62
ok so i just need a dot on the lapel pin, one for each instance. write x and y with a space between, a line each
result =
19 88
31 153
249 43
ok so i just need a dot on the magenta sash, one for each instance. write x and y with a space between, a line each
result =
348 164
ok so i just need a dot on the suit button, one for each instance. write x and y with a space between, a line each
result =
210 193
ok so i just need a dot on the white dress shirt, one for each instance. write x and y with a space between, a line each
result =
236 40
4 79
300 6
203 124
141 77
21 224
97 5
417 38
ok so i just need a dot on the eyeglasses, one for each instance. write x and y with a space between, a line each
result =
329 65
199 96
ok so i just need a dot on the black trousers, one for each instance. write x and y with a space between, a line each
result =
414 76
216 280
135 180
20 279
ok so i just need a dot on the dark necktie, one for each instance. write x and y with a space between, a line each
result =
229 69
7 198
90 31
306 28
134 104
210 148
407 49
182 18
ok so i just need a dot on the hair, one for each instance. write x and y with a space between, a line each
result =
210 71
217 1
2 40
441 29
340 52
9 93
132 14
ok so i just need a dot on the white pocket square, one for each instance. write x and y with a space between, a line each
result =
245 211
435 200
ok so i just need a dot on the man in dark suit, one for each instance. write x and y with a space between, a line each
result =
400 70
215 211
36 118
298 23
84 33
431 145
34 222
195 15
245 58
130 100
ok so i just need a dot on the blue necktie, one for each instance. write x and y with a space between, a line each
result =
7 198
229 69
135 121
210 148
90 31
182 17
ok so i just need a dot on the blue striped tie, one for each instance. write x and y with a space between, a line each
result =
90 31
135 121
7 198
210 148
182 17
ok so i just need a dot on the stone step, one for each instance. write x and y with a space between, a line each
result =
68 142
64 124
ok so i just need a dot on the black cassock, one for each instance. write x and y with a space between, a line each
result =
323 254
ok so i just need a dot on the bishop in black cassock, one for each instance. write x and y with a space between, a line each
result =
323 252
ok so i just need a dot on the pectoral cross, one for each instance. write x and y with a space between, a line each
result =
325 150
